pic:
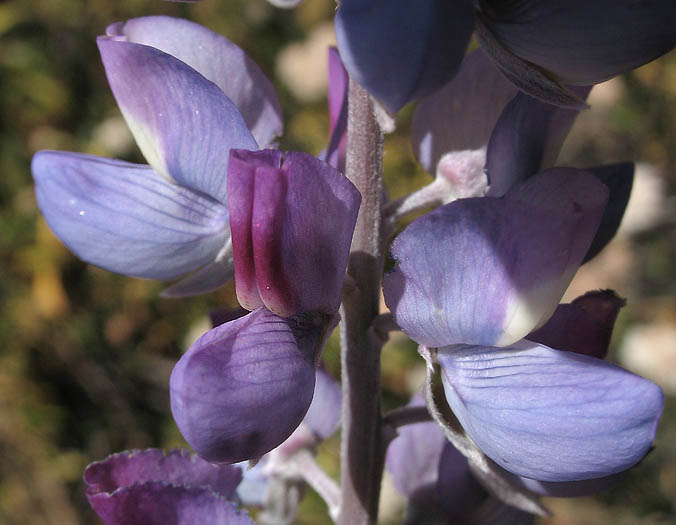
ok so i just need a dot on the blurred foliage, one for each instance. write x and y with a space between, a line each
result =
86 354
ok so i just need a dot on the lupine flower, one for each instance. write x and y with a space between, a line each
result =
244 386
150 487
402 50
188 96
472 280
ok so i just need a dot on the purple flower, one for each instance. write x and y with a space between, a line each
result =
152 487
401 51
244 386
189 97
472 280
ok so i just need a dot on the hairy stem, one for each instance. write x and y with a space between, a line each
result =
362 449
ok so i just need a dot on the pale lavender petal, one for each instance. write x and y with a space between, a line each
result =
550 415
244 386
462 114
292 226
323 416
583 326
218 60
527 138
337 100
413 456
401 50
125 217
583 42
489 271
177 467
156 503
619 178
183 123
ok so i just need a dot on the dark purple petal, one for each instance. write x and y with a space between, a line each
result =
619 178
413 456
156 503
323 416
462 114
527 138
583 42
550 415
565 489
218 60
401 50
583 326
125 217
337 99
244 386
183 123
291 227
177 467
458 491
489 271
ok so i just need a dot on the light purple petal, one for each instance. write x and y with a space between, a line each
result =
218 60
337 100
177 467
291 226
584 42
125 217
550 415
206 279
583 326
155 503
323 416
244 386
489 271
462 114
183 123
527 138
401 50
413 456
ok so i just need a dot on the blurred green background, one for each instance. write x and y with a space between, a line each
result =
86 355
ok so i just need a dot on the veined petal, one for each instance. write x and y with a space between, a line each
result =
292 224
527 138
177 467
218 60
244 386
156 503
183 123
489 271
125 217
583 42
583 326
399 50
550 415
462 114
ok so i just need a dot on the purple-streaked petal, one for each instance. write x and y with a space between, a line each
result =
206 279
401 50
337 100
244 386
218 60
462 114
292 222
527 138
489 271
156 503
182 122
323 416
413 456
125 217
177 467
550 415
619 178
583 326
583 42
